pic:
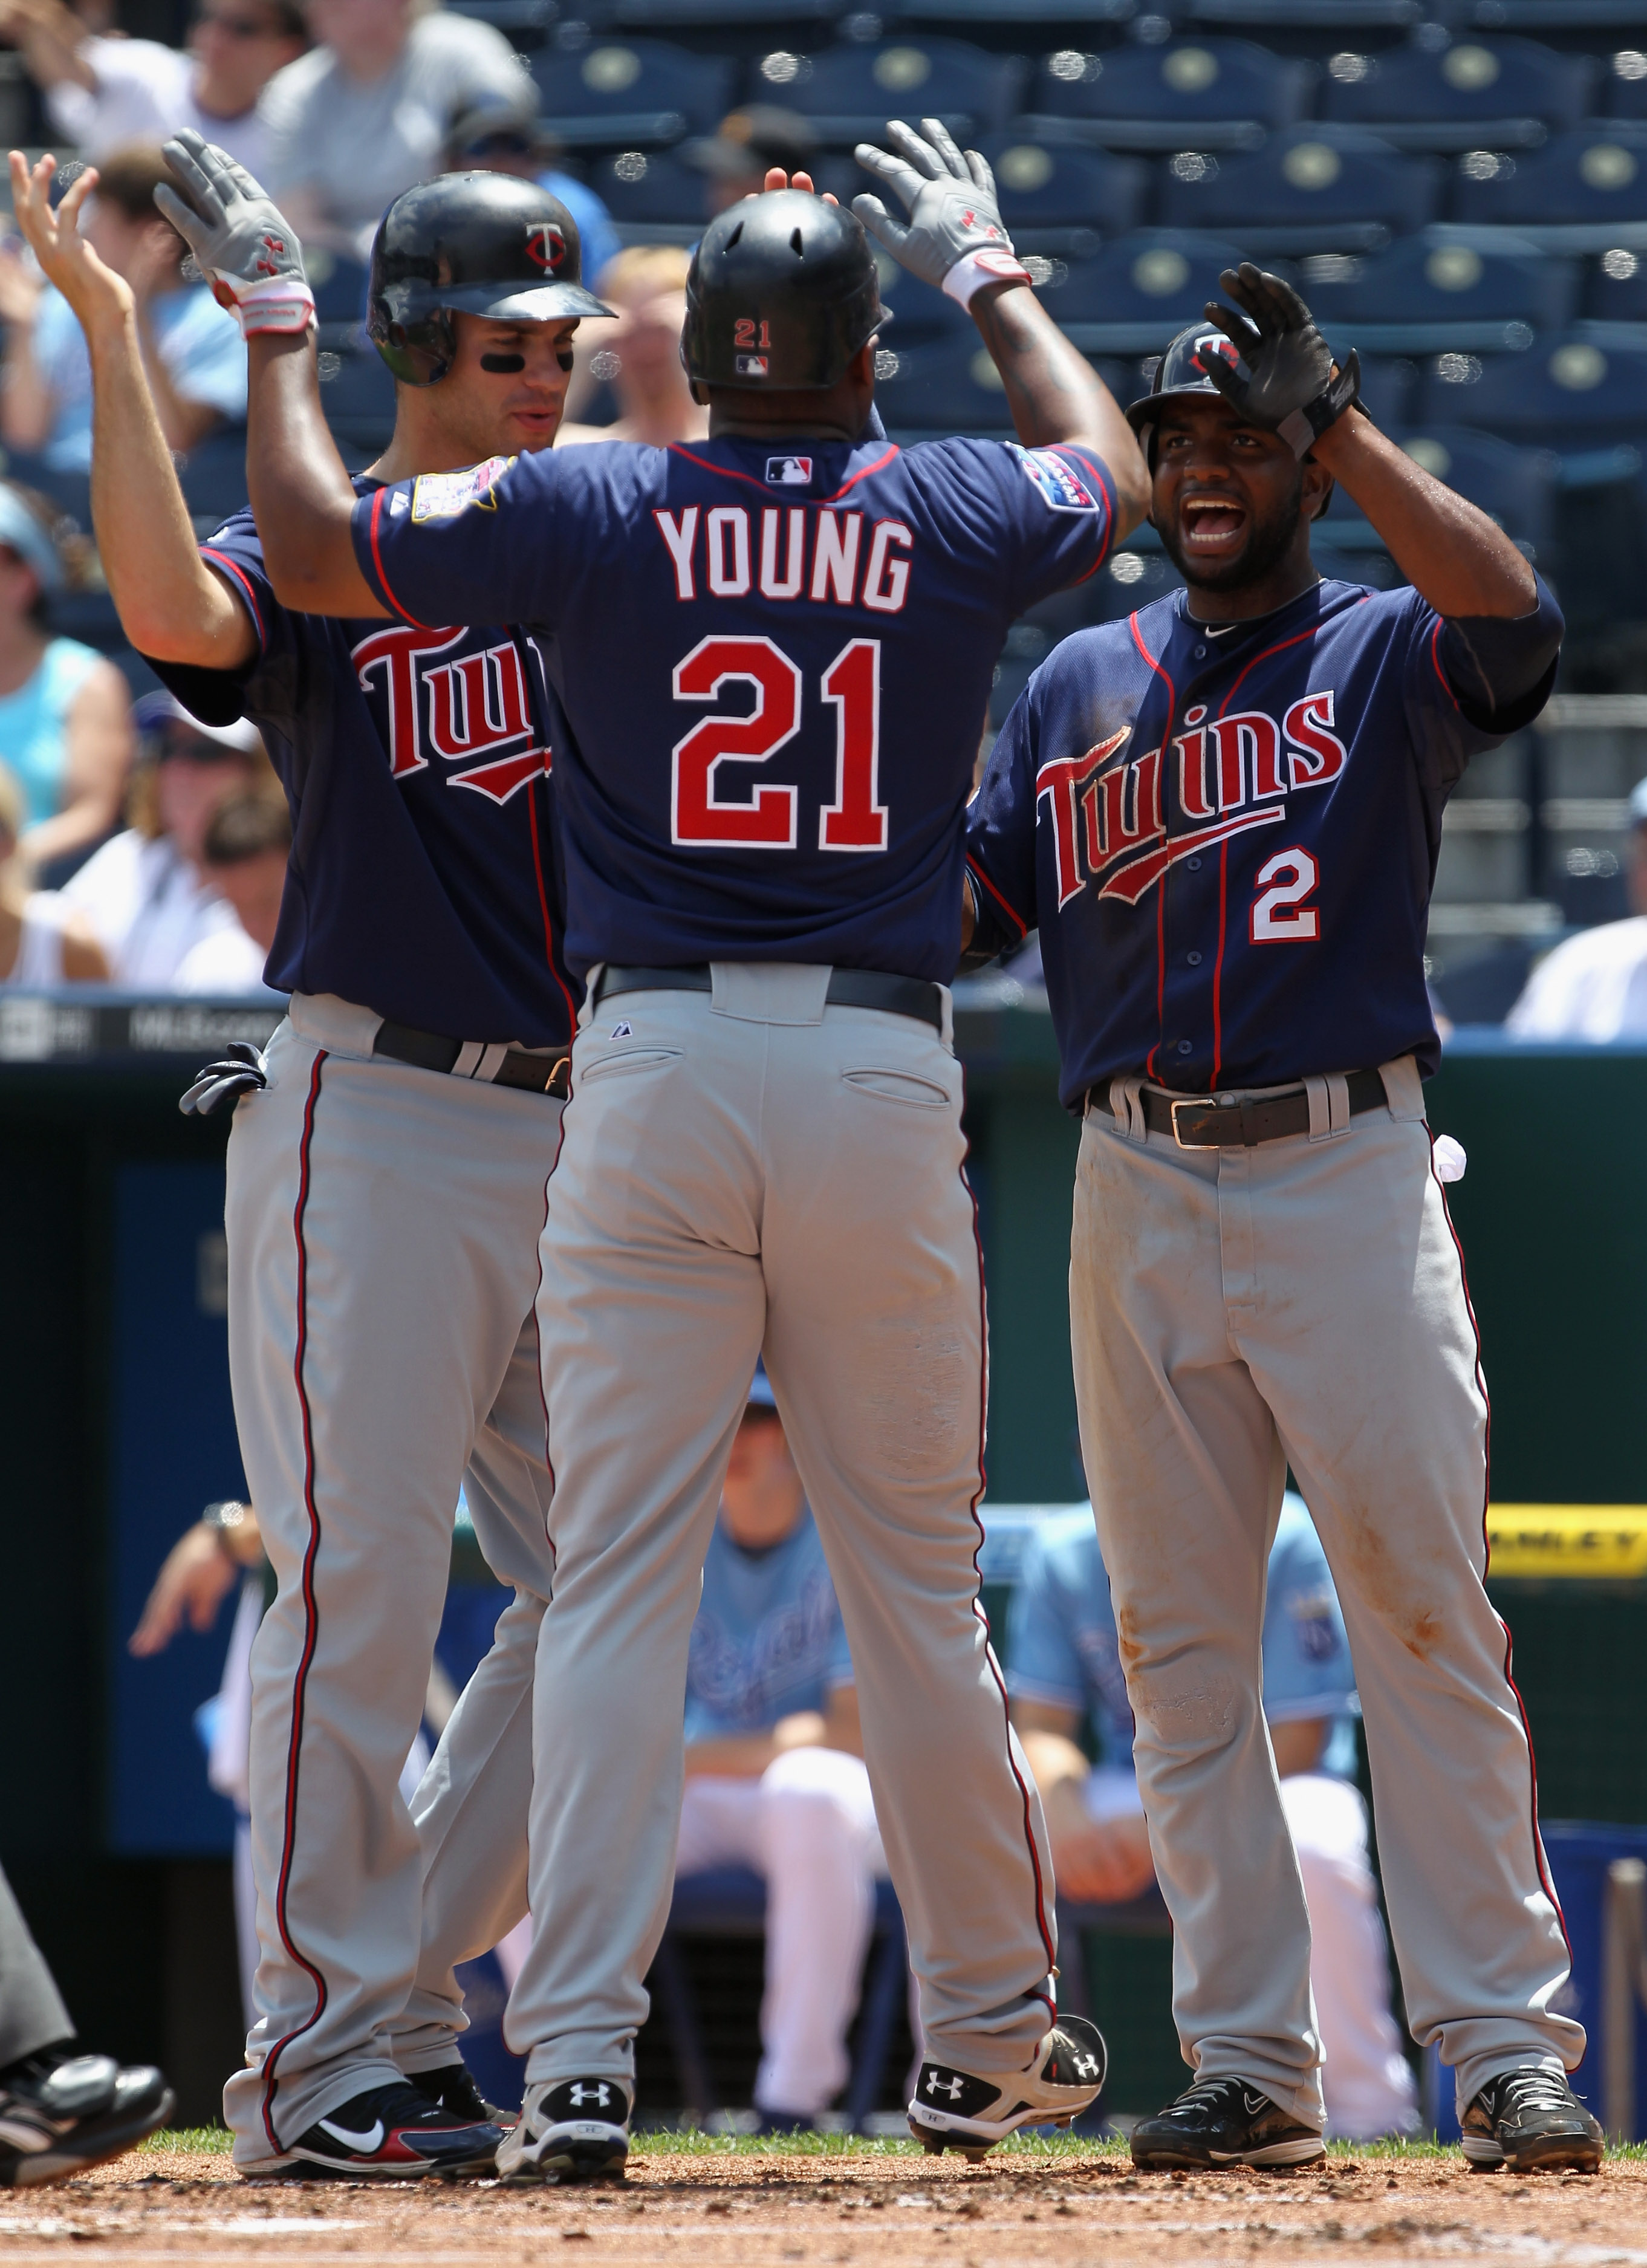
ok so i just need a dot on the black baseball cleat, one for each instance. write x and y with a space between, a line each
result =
61 2112
1223 2122
1531 2122
570 2130
394 2133
971 2111
453 2088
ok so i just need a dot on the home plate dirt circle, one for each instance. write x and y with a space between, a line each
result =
679 2210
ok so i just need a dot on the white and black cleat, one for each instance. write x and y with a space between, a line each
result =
394 2133
1224 2121
971 2111
570 2130
61 2112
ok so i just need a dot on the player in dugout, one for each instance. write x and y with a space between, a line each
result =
1224 815
382 1347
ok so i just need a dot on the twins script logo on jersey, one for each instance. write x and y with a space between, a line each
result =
1109 813
467 709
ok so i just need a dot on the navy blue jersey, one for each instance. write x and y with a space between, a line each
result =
423 880
775 664
1228 837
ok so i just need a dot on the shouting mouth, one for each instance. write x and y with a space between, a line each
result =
1211 527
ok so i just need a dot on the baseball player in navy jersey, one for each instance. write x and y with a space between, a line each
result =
385 1168
773 653
1223 814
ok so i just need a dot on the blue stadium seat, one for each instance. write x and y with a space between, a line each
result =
1215 94
339 284
1311 188
949 386
1388 387
1018 14
1567 17
1624 84
1516 485
650 187
1329 16
849 93
525 22
1137 292
720 15
1615 287
1567 394
212 475
617 93
358 396
1476 94
1421 297
1054 189
1577 192
919 313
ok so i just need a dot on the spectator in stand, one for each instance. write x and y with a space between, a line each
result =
1063 1667
65 715
244 857
774 1773
1594 987
192 349
735 158
42 941
647 284
364 115
104 95
145 893
491 136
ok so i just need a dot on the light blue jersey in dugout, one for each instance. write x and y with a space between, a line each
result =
767 1640
1061 1648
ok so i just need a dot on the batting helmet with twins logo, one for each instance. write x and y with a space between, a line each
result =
477 244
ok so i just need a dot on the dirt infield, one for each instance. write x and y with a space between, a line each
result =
681 2209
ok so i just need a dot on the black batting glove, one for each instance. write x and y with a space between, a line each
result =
244 1071
1285 377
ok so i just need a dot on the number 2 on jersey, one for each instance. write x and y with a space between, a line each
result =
1280 916
700 818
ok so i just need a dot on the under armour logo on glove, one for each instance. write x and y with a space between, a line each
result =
1086 2066
954 237
243 1071
937 2084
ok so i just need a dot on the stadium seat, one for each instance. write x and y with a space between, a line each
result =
1566 16
1047 189
650 187
1133 297
358 396
1615 287
1624 84
212 475
918 311
1217 94
728 15
1476 94
614 93
1516 485
1020 14
948 387
1567 394
525 22
339 284
1420 298
1311 188
1331 17
849 93
1577 193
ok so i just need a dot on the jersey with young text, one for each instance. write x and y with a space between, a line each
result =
774 663
1227 835
423 881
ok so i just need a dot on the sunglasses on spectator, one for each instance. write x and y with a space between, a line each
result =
190 748
239 27
499 145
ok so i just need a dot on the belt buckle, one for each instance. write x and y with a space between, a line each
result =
1188 1103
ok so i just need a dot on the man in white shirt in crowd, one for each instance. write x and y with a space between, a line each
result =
145 892
364 115
193 352
243 857
1594 987
103 93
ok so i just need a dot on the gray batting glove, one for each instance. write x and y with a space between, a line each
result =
1285 377
954 237
241 241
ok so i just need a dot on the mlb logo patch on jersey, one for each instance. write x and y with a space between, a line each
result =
1061 485
750 365
790 472
443 496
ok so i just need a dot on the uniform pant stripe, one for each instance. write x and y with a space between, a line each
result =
310 1616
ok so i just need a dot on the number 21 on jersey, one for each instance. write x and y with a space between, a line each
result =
701 818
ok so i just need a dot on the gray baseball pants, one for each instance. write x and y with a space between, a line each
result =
747 1171
1303 1303
383 1226
32 2012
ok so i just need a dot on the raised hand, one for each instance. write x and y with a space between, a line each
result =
92 288
242 242
1286 378
954 237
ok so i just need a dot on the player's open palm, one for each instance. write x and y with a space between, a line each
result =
92 288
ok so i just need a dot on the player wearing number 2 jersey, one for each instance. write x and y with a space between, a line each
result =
774 654
1223 816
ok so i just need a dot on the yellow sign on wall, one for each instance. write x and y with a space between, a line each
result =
1597 1540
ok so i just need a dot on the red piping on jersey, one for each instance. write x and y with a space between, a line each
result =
1435 656
977 1597
1217 966
543 903
221 559
1486 1550
1160 895
1096 464
310 1621
731 472
377 560
978 875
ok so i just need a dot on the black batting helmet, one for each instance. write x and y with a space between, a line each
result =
782 293
477 244
1182 370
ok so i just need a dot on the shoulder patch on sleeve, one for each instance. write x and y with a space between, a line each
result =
443 496
1062 485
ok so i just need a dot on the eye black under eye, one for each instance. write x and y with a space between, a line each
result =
503 365
563 356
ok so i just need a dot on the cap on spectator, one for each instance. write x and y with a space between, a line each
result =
1638 804
21 531
760 1395
749 140
248 827
478 129
156 710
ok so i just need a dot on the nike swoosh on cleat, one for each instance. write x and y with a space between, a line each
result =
366 2143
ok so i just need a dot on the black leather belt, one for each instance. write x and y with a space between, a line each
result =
848 988
430 1051
1213 1122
